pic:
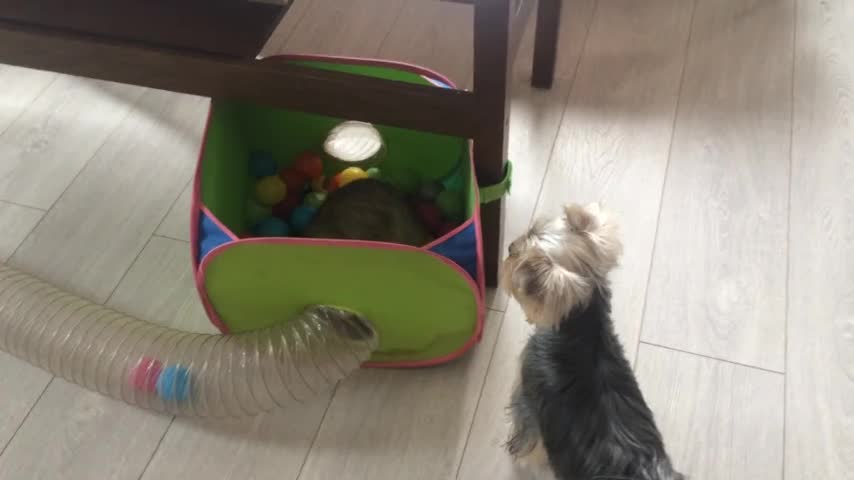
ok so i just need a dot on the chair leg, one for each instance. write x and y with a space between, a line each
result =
491 86
545 43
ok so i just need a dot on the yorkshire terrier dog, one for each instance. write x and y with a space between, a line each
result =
577 410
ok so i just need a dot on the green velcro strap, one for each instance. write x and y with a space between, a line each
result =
492 193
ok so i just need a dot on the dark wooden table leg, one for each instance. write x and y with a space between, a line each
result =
545 43
491 89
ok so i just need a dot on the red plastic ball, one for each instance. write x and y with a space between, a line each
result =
294 179
309 164
284 208
430 216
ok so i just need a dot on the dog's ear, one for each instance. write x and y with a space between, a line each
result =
598 226
580 219
550 289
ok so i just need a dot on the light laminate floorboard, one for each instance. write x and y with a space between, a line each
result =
718 282
820 347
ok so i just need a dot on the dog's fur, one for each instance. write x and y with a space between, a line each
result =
577 409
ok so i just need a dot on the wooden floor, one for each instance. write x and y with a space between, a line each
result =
721 131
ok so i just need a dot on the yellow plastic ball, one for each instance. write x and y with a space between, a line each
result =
350 175
270 190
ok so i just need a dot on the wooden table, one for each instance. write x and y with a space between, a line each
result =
209 48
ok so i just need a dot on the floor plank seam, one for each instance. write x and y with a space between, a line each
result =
789 228
709 357
16 204
172 205
566 104
27 416
95 153
279 49
664 179
317 431
156 448
479 397
127 270
400 10
33 101
161 235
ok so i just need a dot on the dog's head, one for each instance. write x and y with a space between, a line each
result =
557 263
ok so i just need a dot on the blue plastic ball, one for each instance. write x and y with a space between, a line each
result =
262 164
301 217
271 227
174 383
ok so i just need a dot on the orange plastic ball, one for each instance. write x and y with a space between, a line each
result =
333 184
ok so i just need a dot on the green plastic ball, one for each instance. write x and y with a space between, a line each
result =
315 199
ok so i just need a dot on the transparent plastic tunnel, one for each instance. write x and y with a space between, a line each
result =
173 371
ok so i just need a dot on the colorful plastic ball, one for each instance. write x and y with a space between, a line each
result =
256 212
284 208
294 179
350 175
318 184
430 215
270 190
301 217
309 164
174 383
451 204
271 227
261 164
374 173
430 190
333 184
144 375
315 199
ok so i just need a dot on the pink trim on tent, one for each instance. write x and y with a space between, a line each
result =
450 234
481 274
477 287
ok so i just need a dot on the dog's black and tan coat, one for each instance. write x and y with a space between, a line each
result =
577 410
